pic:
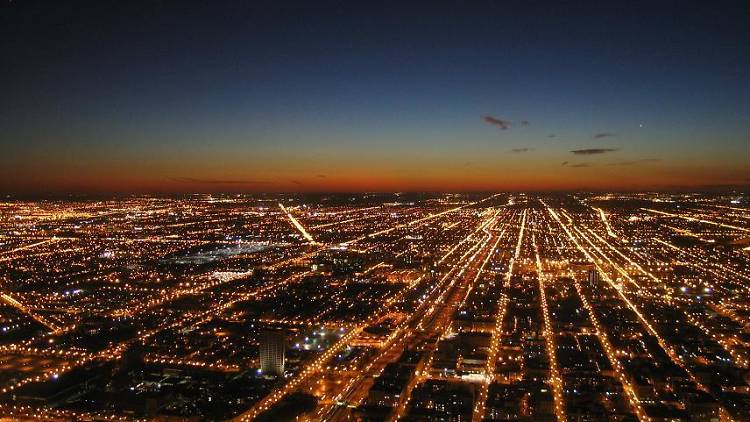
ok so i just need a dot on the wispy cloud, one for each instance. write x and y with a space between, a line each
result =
601 135
551 135
520 150
502 124
218 181
636 162
322 176
524 122
575 165
593 151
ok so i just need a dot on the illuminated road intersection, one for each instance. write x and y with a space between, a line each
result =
382 307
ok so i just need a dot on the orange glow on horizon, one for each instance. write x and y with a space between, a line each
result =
348 174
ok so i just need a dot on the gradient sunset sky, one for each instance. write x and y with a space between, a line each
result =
175 96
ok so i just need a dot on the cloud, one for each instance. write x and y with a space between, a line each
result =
502 124
593 151
218 181
551 135
322 176
575 165
636 162
520 150
297 182
601 135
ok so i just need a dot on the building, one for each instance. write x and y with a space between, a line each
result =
272 345
593 278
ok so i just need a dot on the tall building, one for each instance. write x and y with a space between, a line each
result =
272 345
593 278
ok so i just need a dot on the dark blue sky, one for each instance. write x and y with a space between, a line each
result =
119 96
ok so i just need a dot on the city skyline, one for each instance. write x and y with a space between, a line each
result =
377 307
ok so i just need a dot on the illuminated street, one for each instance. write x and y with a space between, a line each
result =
392 307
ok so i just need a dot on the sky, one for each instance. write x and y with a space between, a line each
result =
341 96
